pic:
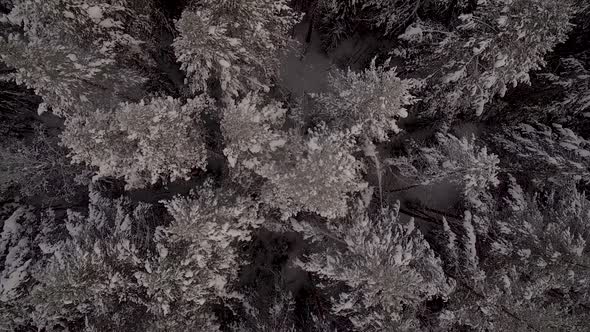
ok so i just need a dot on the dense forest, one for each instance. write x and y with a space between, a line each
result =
294 165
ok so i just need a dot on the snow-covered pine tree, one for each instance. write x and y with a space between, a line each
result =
545 153
384 270
495 47
86 274
535 260
16 253
374 100
159 139
235 43
576 84
456 160
196 263
339 17
70 52
312 172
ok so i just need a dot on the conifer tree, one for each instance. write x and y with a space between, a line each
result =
236 43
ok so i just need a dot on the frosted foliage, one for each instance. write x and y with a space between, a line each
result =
451 250
96 140
497 46
250 127
388 266
68 54
15 255
168 136
391 15
315 174
181 320
387 14
470 242
563 154
572 80
38 166
279 317
458 160
211 222
373 99
516 197
25 237
104 24
312 172
550 225
234 42
89 274
143 143
112 271
108 272
69 87
577 85
535 251
197 261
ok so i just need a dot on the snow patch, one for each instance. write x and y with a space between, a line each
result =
94 12
454 76
108 23
412 33
69 14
